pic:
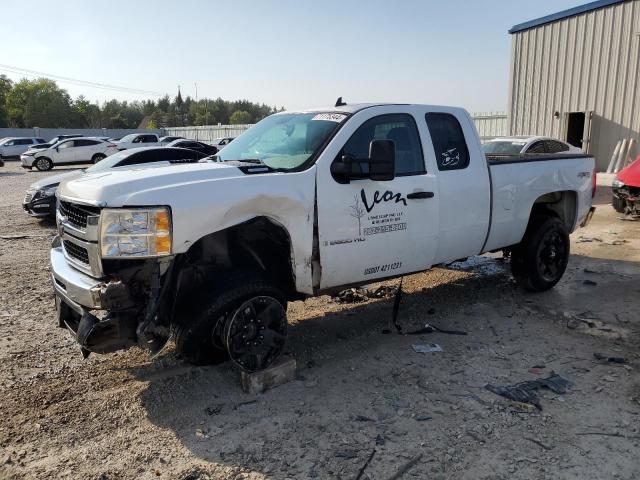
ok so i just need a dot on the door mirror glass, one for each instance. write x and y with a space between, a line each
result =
382 160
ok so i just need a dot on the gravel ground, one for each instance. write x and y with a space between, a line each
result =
364 405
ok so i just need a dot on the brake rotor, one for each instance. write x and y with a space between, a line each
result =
256 333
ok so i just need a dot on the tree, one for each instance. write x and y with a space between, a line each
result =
5 88
240 117
39 103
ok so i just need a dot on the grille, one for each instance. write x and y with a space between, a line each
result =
77 252
77 214
27 198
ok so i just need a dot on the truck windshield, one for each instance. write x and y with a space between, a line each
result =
284 140
503 147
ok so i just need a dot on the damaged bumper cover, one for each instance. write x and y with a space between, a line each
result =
77 294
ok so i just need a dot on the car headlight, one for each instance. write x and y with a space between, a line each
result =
617 184
29 154
47 192
140 232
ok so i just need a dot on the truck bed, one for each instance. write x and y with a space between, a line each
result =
502 159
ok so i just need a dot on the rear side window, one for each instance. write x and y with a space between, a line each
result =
168 155
448 140
538 147
149 139
23 141
556 147
85 143
40 140
147 156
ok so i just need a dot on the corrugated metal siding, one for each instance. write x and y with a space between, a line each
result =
491 124
207 132
584 63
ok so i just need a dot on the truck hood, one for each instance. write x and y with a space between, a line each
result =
114 187
54 180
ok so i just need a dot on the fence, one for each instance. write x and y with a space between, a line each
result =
491 125
207 132
49 133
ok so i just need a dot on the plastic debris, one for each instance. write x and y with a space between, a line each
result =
602 356
525 392
426 347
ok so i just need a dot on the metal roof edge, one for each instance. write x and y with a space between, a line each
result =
571 12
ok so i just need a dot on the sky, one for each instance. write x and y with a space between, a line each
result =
291 53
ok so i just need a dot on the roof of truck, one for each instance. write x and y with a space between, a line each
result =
356 107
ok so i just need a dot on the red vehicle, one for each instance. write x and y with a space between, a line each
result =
626 189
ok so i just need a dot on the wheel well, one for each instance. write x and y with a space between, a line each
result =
260 245
562 205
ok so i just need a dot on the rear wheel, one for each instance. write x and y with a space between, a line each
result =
97 157
43 164
540 260
245 321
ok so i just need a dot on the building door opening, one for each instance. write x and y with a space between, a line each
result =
575 128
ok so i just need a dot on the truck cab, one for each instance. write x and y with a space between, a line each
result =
301 204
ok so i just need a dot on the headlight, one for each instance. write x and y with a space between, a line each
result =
30 154
617 184
140 232
47 192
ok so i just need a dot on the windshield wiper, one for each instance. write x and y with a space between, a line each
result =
255 161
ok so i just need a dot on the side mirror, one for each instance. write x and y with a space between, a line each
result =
382 160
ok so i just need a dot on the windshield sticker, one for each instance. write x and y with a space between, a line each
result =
330 117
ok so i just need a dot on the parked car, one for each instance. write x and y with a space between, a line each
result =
16 146
169 139
55 140
527 144
194 145
134 140
40 201
626 189
68 152
219 143
303 203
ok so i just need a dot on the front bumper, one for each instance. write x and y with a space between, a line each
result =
39 207
78 290
26 161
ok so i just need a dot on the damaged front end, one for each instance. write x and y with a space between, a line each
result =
124 308
630 200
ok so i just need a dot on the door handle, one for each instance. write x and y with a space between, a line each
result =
418 195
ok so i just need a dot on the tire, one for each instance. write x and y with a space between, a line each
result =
43 164
540 260
201 337
97 157
618 204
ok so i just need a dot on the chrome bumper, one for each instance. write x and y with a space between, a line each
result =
78 290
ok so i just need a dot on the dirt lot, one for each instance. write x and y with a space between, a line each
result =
360 394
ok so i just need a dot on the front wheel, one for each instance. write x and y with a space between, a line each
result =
43 164
245 321
540 260
618 204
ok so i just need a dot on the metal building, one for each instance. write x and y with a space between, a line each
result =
574 76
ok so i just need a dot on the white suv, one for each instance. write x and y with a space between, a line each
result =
136 140
15 146
68 152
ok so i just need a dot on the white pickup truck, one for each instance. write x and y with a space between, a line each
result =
301 204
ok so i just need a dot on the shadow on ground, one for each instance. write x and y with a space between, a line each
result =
359 389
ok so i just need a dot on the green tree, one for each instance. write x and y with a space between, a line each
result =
240 117
39 103
5 88
86 114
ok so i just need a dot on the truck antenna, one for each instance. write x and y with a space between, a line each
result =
340 103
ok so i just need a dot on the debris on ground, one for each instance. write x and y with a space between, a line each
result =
383 291
351 295
426 347
430 328
607 358
525 392
584 239
590 283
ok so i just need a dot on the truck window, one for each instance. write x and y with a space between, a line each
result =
399 127
448 141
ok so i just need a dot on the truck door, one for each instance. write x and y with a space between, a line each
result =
374 229
463 183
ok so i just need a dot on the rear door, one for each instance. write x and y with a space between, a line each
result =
85 149
375 229
463 183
